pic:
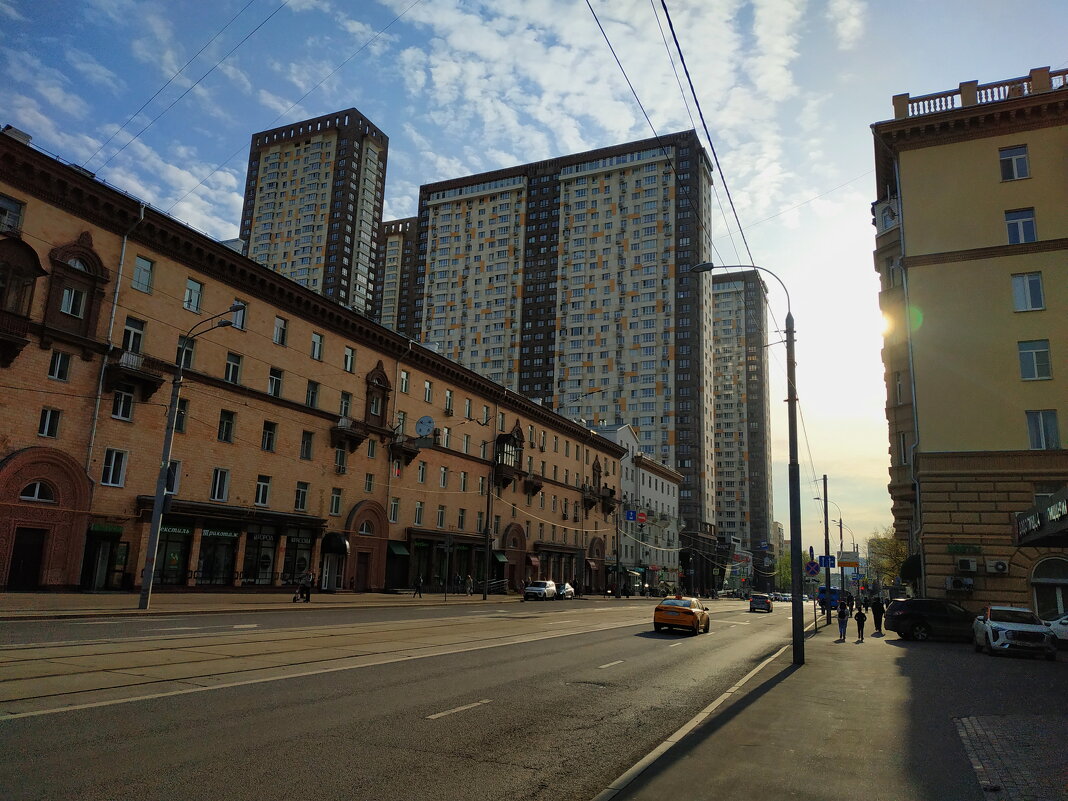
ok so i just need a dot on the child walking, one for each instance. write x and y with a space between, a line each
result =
861 619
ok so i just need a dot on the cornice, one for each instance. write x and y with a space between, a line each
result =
1008 464
994 252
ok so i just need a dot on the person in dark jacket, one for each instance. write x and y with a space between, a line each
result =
843 619
877 610
861 618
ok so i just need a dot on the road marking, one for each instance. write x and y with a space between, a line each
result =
185 628
738 622
247 626
459 709
610 664
675 645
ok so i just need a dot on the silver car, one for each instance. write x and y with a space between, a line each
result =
1004 629
540 591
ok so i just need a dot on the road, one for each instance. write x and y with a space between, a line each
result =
532 701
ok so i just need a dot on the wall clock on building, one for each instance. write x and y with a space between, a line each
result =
424 426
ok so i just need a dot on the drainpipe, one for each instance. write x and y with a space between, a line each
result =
109 341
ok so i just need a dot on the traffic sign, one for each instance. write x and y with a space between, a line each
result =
641 517
631 515
827 561
811 554
812 569
847 563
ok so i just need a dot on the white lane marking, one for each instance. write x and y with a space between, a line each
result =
459 709
610 664
185 628
738 622
112 621
675 645
248 626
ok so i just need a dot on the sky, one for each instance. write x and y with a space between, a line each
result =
160 98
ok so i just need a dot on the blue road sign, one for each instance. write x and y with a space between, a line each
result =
631 515
812 569
827 561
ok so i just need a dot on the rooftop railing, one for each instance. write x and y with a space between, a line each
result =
972 93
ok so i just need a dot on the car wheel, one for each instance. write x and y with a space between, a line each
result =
696 628
707 623
921 632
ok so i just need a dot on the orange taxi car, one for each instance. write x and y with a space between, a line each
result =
681 613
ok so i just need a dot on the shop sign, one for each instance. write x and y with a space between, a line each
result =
188 530
107 528
262 537
963 549
300 540
219 532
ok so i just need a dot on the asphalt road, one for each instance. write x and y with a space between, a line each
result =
542 716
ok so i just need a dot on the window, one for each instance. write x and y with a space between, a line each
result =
405 378
133 335
226 425
372 448
1042 430
418 518
122 403
238 319
194 291
174 477
10 214
317 347
269 436
142 277
220 484
311 397
1014 163
420 473
280 327
345 405
37 491
349 361
335 501
394 510
902 448
48 425
461 519
441 517
443 477
1021 226
73 302
274 382
369 482
114 473
448 399
463 481
341 460
1034 359
186 349
306 444
232 373
263 490
428 391
180 415
300 497
1027 292
59 366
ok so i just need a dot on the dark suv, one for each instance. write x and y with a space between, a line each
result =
924 618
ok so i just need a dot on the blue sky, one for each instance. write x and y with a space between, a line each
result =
788 89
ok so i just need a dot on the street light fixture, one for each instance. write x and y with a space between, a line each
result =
165 460
795 470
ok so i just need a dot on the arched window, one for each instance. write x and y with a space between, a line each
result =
366 529
38 491
1049 580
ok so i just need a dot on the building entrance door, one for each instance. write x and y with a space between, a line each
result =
363 561
26 556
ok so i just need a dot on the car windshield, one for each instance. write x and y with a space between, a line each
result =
1014 616
539 584
676 602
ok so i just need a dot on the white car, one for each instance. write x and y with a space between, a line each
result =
1059 626
540 591
1001 629
564 592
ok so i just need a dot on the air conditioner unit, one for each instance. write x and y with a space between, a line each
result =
997 567
966 565
960 583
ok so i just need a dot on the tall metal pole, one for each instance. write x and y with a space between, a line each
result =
841 545
826 552
796 587
488 539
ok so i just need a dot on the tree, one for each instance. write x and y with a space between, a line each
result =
886 554
783 573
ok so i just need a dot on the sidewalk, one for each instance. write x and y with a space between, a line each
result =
59 605
882 719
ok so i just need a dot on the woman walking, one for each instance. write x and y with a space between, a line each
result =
843 619
861 618
877 613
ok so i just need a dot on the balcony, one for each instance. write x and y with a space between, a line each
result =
533 485
972 93
404 448
589 497
13 330
144 372
608 500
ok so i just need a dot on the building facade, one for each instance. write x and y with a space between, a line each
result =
397 248
566 280
743 412
313 204
306 436
972 253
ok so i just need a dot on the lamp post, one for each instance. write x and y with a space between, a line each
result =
796 585
488 526
165 459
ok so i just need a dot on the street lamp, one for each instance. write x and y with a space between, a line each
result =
165 460
795 470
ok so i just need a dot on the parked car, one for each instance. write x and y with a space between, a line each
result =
1010 629
759 600
564 592
1059 626
923 618
540 591
681 613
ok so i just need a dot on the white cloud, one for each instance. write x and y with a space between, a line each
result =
93 71
238 77
8 10
847 16
281 106
49 83
25 113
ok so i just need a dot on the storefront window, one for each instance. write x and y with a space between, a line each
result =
172 555
298 553
1050 582
218 548
260 548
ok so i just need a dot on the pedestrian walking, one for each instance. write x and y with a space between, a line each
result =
850 600
418 587
843 619
867 603
470 584
877 614
306 580
861 618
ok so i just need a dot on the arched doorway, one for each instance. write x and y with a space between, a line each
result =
1049 583
373 564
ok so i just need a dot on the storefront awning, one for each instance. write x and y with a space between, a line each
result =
533 561
592 565
399 549
336 543
633 573
499 556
